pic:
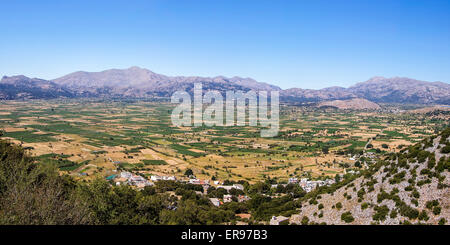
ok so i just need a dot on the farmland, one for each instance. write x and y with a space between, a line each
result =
89 139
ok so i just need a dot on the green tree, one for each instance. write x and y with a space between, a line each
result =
188 172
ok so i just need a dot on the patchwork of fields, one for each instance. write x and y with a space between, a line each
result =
90 139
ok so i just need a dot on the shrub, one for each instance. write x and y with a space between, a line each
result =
305 220
423 216
393 214
380 213
431 204
408 211
416 194
364 205
445 149
347 217
437 210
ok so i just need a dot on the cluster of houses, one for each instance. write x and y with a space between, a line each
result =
308 185
156 178
141 182
229 198
133 179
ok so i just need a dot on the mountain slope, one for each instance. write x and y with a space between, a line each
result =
402 90
311 95
21 87
138 82
407 187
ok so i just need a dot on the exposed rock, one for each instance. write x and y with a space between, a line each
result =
383 187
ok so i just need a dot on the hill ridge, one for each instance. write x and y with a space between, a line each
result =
136 82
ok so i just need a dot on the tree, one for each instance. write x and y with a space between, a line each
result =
188 172
337 178
35 194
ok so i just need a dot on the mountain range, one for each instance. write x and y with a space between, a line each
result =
137 82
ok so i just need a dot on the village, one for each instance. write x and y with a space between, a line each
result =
140 182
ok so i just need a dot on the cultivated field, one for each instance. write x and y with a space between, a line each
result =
90 139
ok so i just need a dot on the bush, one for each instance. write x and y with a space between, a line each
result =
408 211
431 204
188 172
305 220
416 194
381 213
423 216
347 217
393 214
445 149
437 210
364 205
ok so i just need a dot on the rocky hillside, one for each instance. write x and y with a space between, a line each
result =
354 104
408 187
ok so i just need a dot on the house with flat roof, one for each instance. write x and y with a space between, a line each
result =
215 201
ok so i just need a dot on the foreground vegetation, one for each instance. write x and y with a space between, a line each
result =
33 192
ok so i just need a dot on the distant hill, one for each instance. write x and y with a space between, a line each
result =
356 104
402 90
311 95
21 87
137 82
406 187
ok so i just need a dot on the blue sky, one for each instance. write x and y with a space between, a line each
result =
307 44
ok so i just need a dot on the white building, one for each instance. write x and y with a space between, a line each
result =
215 201
227 198
155 178
276 220
238 186
292 181
229 187
126 175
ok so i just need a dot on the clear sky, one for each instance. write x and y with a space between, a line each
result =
307 44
